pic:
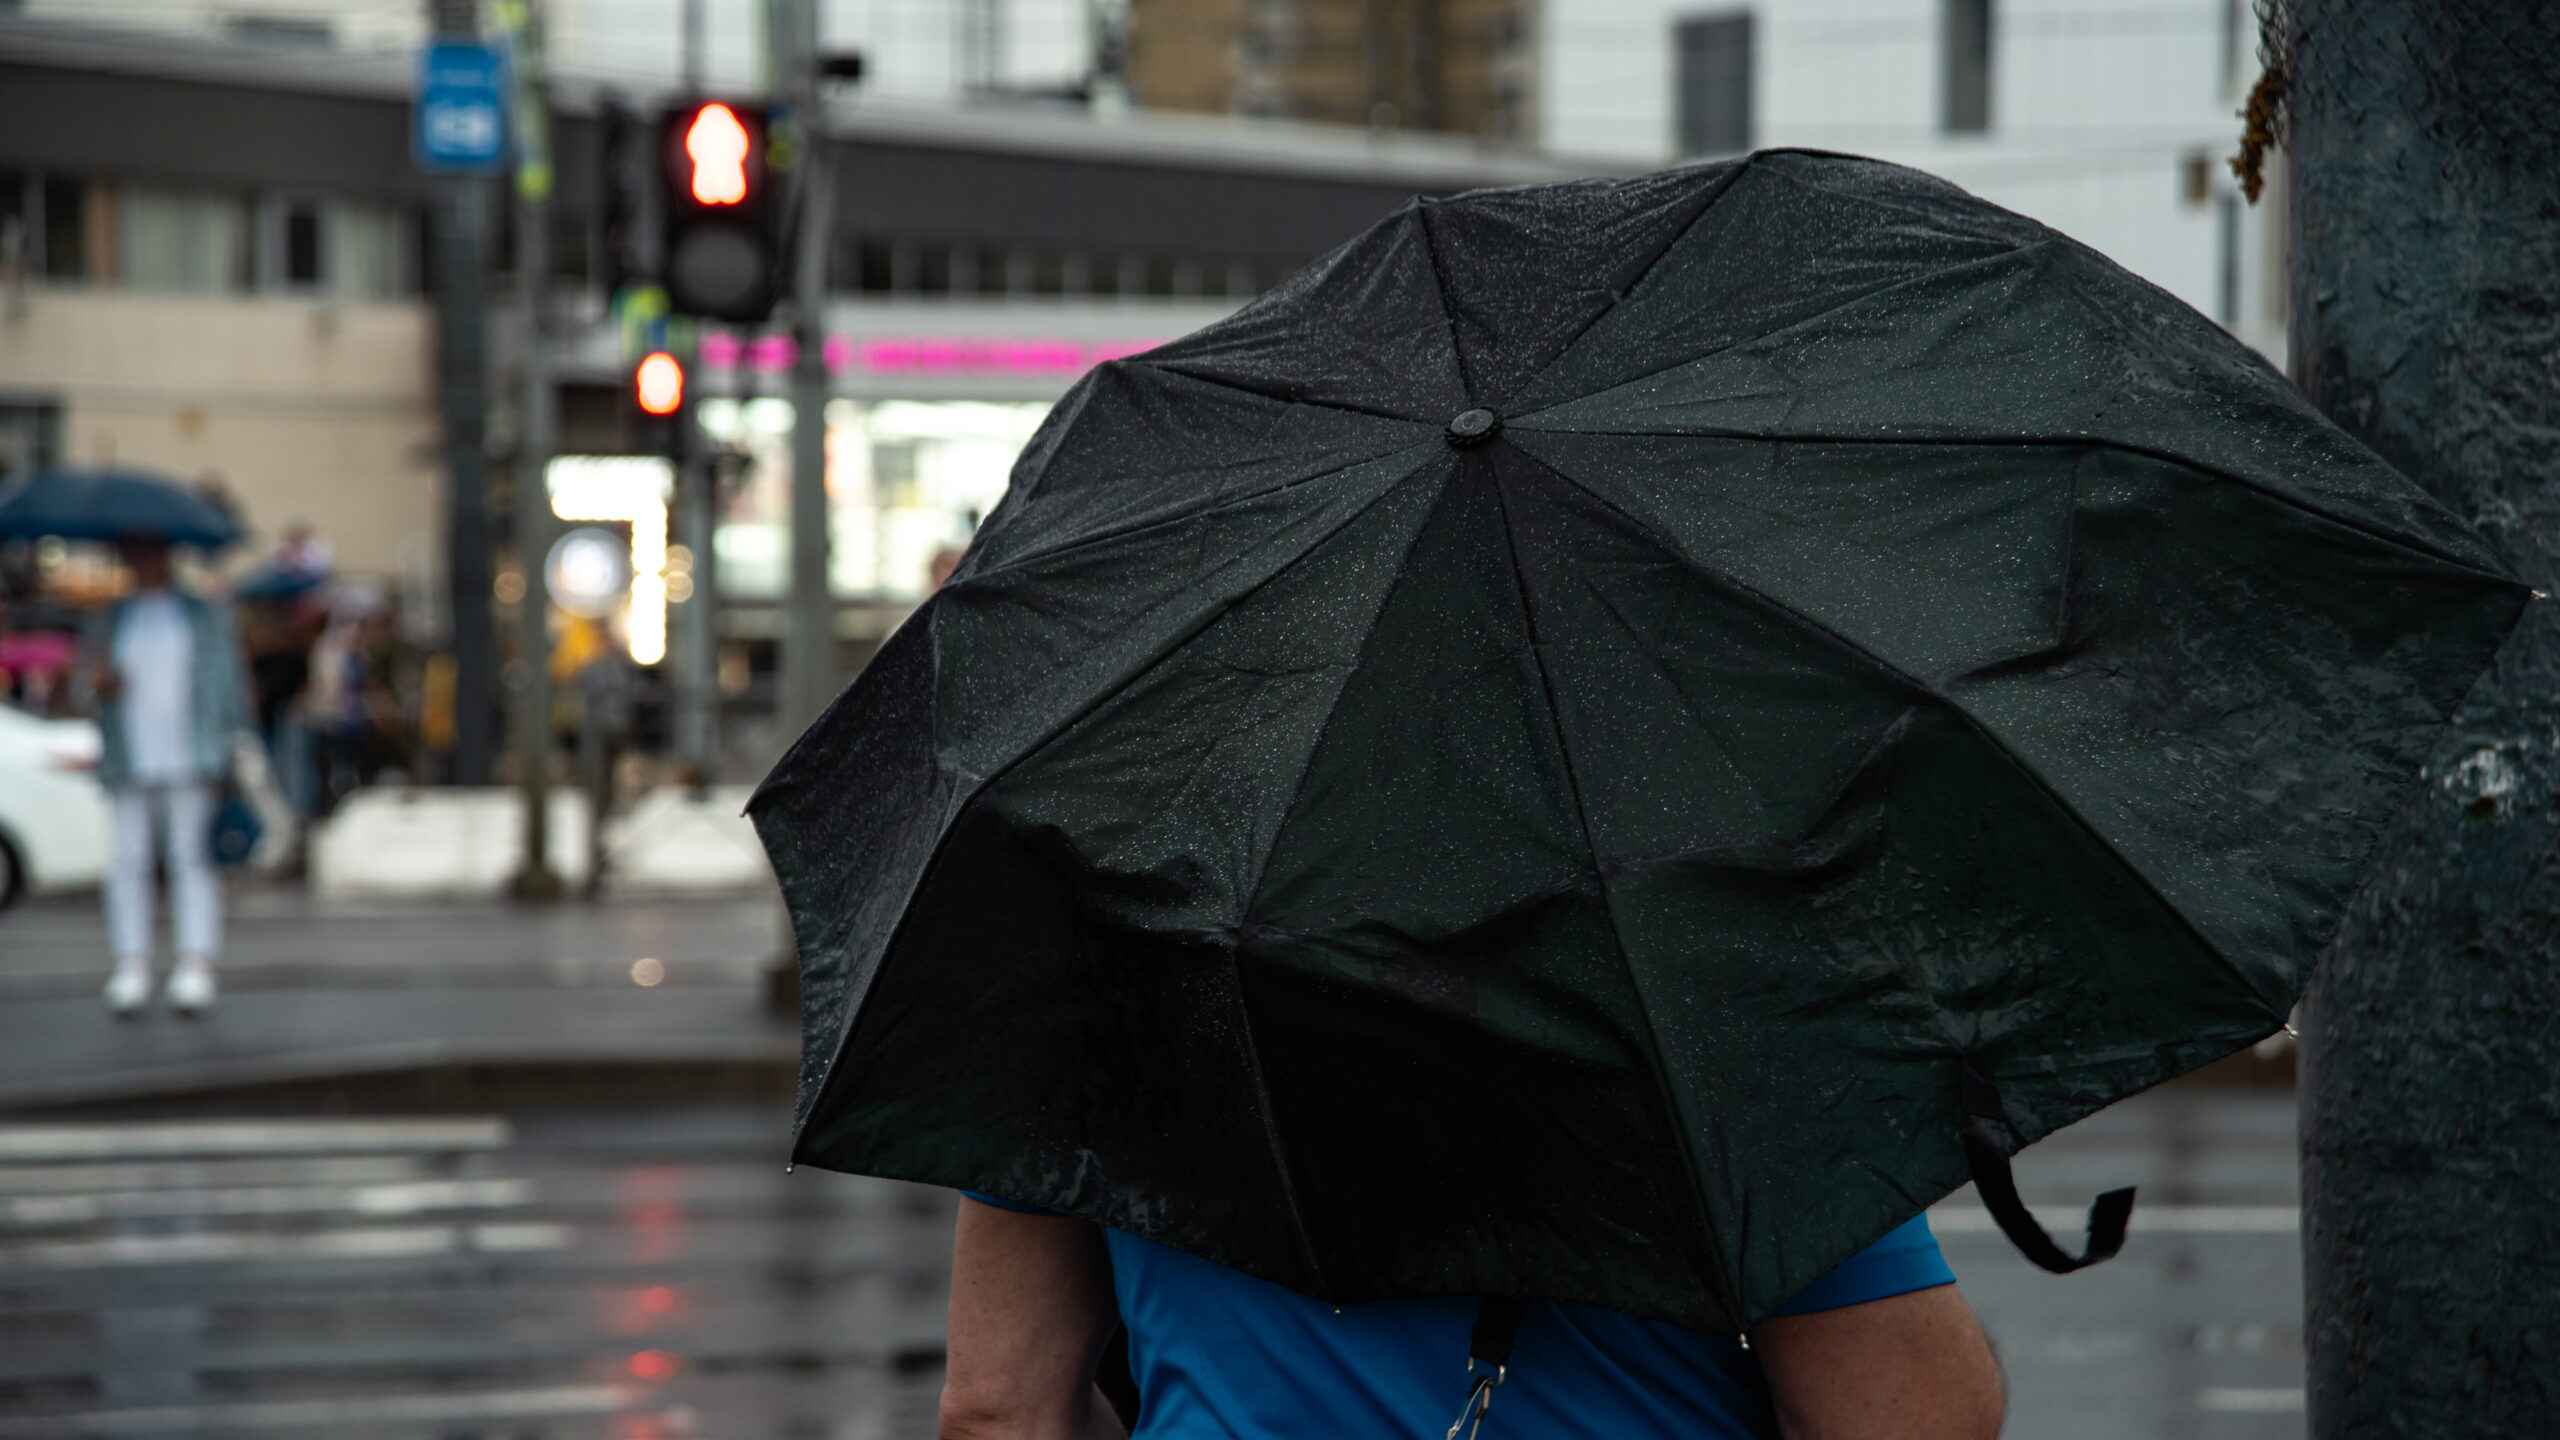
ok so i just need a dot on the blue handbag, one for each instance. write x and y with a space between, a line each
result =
236 829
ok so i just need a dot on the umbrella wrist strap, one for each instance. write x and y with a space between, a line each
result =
1986 1151
1488 1358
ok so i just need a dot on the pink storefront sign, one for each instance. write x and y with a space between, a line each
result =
939 356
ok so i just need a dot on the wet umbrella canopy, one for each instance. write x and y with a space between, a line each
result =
110 505
1532 760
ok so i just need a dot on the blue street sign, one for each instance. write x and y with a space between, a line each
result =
462 109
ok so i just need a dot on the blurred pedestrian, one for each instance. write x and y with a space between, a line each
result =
336 703
164 668
301 550
284 610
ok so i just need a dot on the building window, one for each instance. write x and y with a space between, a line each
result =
345 251
21 246
298 245
368 251
1967 49
294 32
1713 103
65 227
30 439
188 242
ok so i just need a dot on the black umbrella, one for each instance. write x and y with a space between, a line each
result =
1586 745
110 505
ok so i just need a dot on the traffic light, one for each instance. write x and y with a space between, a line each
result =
658 384
722 258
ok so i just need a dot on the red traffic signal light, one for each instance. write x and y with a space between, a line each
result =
716 146
722 255
659 383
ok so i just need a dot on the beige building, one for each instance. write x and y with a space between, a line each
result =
307 410
1457 66
200 281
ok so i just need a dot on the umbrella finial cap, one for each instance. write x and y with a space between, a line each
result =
1473 427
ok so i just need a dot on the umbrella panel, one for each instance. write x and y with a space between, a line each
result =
2146 639
1787 239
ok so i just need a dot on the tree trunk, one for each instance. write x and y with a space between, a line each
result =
2426 285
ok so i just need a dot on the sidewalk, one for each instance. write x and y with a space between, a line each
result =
317 990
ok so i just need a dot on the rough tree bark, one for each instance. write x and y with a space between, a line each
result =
2426 142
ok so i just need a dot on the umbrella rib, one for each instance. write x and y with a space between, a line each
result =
2394 539
1815 628
1737 343
1600 878
1297 792
1173 368
1440 286
1765 336
1271 1121
1732 177
2055 244
1139 527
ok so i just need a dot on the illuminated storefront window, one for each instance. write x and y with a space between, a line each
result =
906 480
631 490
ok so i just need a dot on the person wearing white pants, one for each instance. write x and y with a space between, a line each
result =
165 668
182 816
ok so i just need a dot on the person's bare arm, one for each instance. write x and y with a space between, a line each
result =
1910 1367
1031 1309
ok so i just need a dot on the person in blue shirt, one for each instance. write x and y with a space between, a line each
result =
1882 1348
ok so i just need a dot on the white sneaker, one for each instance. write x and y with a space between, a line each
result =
190 989
129 987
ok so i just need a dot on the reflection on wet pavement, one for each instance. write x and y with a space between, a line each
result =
651 1274
620 1274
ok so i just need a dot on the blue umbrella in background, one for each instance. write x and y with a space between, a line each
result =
111 504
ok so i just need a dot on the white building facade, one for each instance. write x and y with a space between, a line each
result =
2109 120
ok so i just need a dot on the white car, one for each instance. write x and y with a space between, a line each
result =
53 812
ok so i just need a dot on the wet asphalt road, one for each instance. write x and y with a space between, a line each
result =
636 1275
654 1273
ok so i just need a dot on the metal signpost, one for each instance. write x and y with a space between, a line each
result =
459 131
534 878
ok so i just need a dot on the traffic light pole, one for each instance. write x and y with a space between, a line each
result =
808 659
697 736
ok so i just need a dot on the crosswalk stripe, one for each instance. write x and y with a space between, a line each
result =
217 1173
2252 1400
408 1197
419 1409
1971 1219
404 1198
377 1242
25 1143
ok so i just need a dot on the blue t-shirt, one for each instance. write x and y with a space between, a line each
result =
1220 1355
